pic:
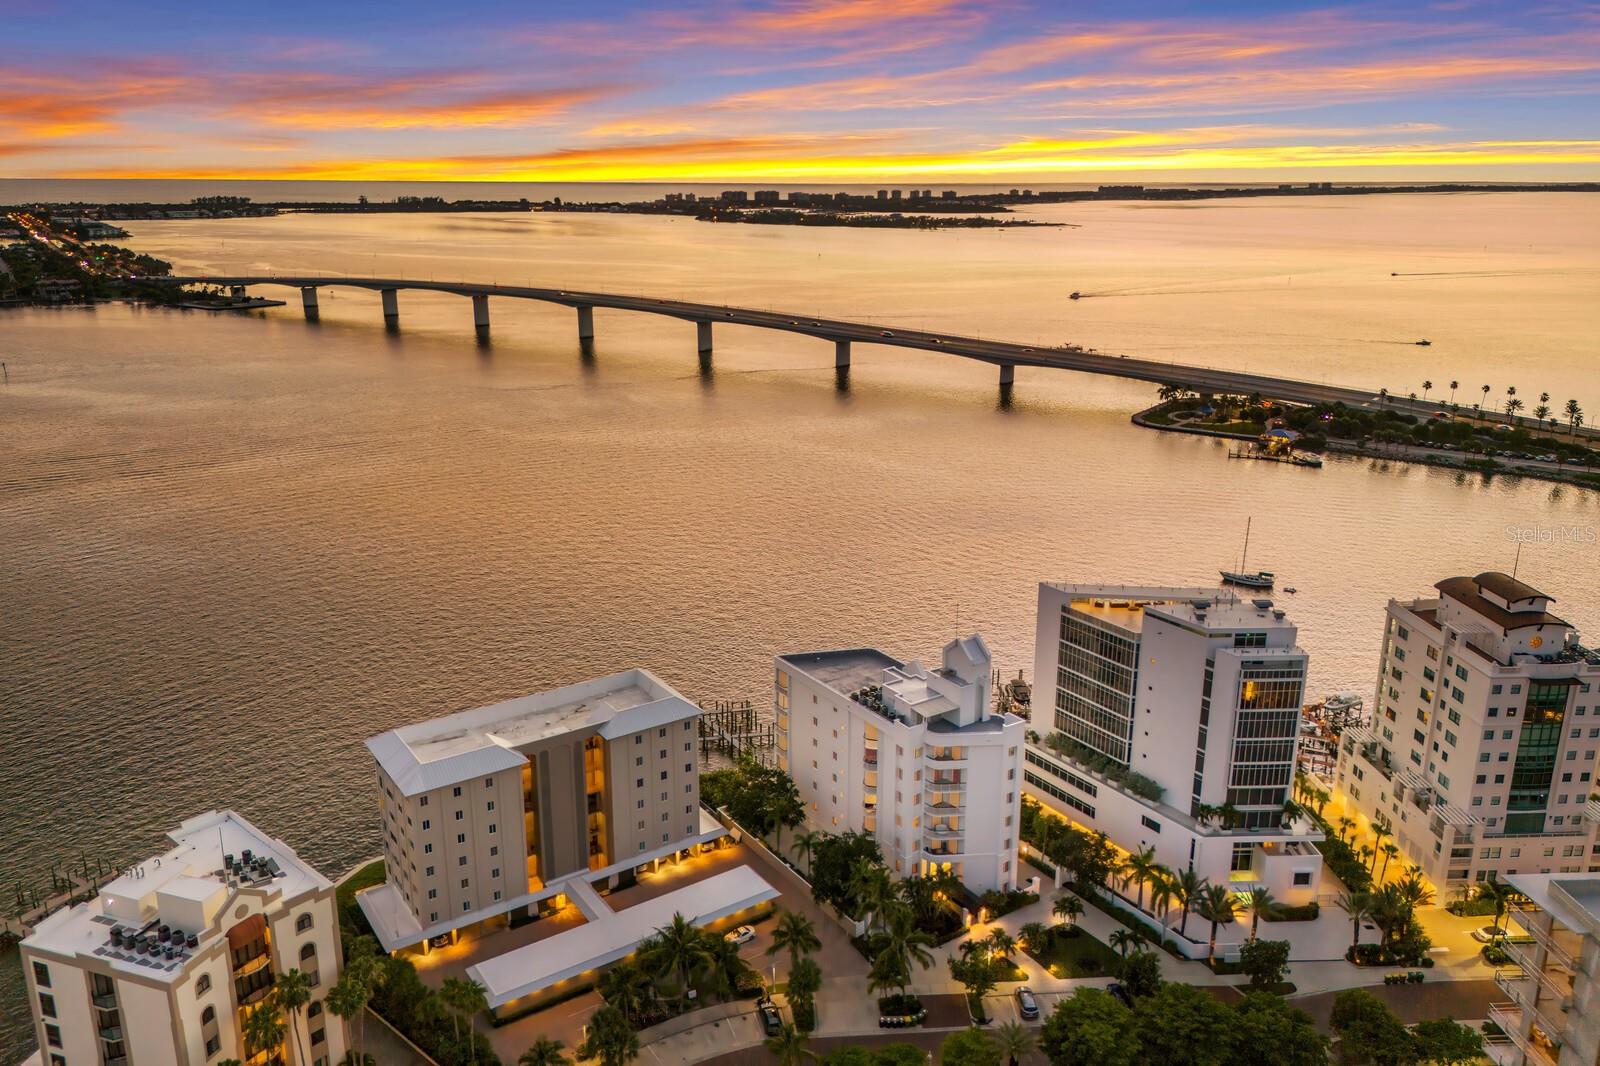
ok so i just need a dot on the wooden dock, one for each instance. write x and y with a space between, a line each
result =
32 905
732 729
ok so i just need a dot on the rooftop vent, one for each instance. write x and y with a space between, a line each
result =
1261 604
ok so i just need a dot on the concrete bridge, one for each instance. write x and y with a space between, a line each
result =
1005 355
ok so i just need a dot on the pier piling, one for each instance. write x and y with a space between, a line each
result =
702 331
308 299
585 323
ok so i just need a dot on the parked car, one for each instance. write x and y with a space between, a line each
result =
1488 933
1027 1006
771 1020
1119 992
741 936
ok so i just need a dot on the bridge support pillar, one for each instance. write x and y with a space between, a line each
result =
702 336
841 355
480 315
391 305
1008 375
308 299
585 323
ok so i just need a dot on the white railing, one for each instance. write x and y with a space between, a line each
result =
1508 1016
1522 954
1517 984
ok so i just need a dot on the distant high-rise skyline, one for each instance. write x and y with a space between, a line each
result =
803 90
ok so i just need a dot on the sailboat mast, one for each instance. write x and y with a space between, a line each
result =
1244 557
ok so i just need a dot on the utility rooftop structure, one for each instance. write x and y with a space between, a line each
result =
1481 755
912 756
489 811
1170 719
165 962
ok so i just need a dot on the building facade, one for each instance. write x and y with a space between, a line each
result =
1552 1014
911 756
1169 718
165 964
491 810
1480 757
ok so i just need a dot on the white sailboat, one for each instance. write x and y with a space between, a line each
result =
1257 579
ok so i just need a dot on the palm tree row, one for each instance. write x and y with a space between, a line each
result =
1542 413
1392 908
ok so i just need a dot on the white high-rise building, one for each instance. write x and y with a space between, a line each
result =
912 756
1480 757
497 809
166 962
1169 718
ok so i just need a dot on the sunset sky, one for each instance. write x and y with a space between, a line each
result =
801 91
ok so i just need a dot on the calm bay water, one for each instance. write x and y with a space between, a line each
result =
234 547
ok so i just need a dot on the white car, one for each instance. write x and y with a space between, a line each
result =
741 936
1488 933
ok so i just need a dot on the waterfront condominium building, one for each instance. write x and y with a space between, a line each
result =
913 756
1169 718
492 811
168 960
1552 1015
1480 757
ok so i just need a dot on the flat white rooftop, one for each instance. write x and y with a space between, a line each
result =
191 872
535 967
444 751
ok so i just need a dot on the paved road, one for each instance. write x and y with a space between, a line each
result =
1000 353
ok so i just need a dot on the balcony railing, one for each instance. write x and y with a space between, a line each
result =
1521 953
1516 983
943 831
1559 954
947 754
943 808
1508 1016
106 1001
953 779
870 757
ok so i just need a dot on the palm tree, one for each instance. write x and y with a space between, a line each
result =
874 892
725 967
1068 908
1001 944
1358 905
464 998
294 992
1414 893
545 1052
1454 385
1217 906
1513 405
680 949
1032 936
1390 851
1501 893
805 981
347 1001
1015 1040
626 988
1162 892
1187 889
1479 405
795 934
1345 825
1136 868
806 843
1574 412
1427 387
1368 853
1261 902
611 1038
905 945
263 1026
790 1047
1124 940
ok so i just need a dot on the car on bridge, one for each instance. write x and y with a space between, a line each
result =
886 333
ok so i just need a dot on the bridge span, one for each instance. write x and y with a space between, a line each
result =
1004 354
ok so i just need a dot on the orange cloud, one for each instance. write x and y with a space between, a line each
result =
505 109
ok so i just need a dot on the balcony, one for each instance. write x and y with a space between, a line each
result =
1559 954
1508 1016
869 758
111 1033
1554 982
941 807
947 754
942 849
947 779
106 1001
943 832
1517 984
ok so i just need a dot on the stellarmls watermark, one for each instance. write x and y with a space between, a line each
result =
1553 534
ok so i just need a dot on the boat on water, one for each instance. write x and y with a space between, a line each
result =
1300 459
1424 343
1250 579
1076 296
